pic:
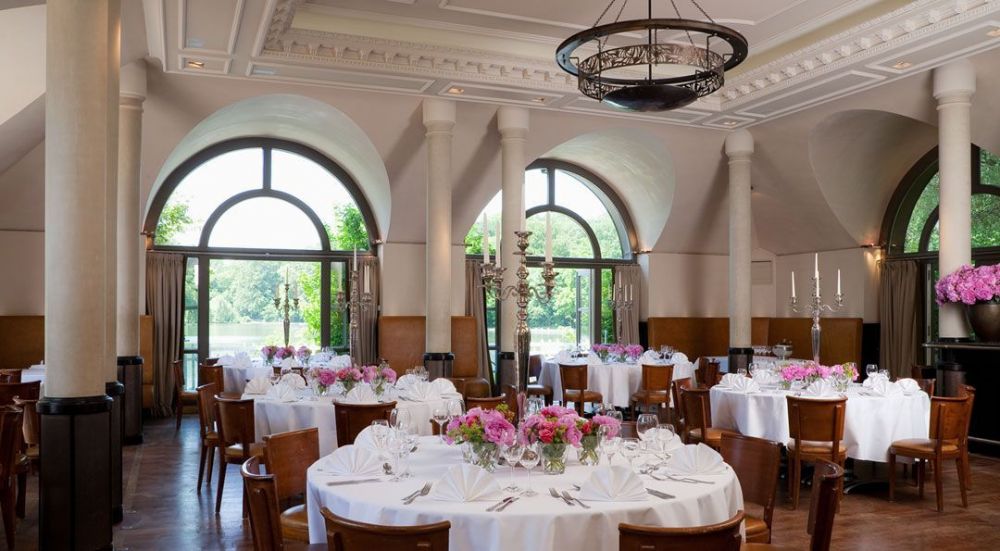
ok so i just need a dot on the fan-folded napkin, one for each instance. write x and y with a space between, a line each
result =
696 459
352 460
294 380
361 394
225 360
744 385
406 381
820 388
563 356
444 386
366 438
290 362
679 357
908 386
884 387
872 379
421 391
259 385
465 483
649 357
282 393
766 377
615 483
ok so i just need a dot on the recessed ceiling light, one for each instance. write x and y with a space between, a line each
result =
539 99
902 65
196 64
456 90
995 33
730 123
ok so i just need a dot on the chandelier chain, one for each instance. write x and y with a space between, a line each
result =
687 32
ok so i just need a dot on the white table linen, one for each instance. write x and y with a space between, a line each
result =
615 381
271 416
235 377
871 423
33 373
537 523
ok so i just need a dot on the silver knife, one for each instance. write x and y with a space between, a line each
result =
345 482
503 502
505 505
659 494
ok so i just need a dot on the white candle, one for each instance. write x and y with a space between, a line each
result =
548 237
486 242
628 296
367 289
816 271
498 243
354 264
793 284
614 292
524 223
838 281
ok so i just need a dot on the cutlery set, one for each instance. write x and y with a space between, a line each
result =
502 504
419 493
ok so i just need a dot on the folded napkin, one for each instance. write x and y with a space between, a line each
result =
344 360
242 361
908 386
360 394
465 483
290 362
820 388
282 393
444 386
617 483
679 357
744 385
695 459
406 381
366 438
654 434
294 380
421 391
225 360
871 380
728 378
884 387
766 377
352 460
563 356
649 357
259 385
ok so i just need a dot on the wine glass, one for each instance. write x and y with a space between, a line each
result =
530 456
664 435
630 449
399 448
535 404
455 408
512 454
645 422
871 370
440 416
399 417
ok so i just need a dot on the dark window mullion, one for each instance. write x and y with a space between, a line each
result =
267 168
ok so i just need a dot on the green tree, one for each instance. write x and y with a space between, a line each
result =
174 219
350 232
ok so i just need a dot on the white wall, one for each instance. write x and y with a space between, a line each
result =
22 284
859 281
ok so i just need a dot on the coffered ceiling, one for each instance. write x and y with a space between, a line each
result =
803 52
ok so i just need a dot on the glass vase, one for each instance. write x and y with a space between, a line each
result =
485 455
553 458
588 450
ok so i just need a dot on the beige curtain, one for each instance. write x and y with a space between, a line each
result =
899 311
476 307
630 275
368 321
165 302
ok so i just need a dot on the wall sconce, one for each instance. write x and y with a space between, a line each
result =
644 250
149 238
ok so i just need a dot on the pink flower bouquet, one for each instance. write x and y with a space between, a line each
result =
633 351
268 352
484 431
303 353
323 378
969 285
378 377
554 427
807 372
349 376
601 350
589 428
282 352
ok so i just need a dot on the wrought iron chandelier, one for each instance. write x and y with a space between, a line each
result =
652 64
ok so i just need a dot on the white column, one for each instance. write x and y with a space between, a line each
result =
81 72
739 148
513 125
130 244
954 85
439 119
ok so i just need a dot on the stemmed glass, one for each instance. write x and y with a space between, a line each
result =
645 422
512 454
455 408
530 457
664 434
399 417
399 448
440 416
607 445
630 450
871 370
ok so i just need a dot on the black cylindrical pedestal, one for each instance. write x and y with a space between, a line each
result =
950 378
438 364
116 433
740 358
130 375
75 474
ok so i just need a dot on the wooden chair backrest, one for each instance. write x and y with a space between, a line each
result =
657 378
11 422
707 374
819 420
211 361
353 418
970 391
178 368
724 536
262 499
10 375
212 374
26 391
206 408
675 389
823 505
757 463
697 408
927 385
534 365
573 377
510 398
949 419
486 403
31 426
235 420
348 535
288 455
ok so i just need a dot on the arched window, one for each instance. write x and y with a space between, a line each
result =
592 233
251 215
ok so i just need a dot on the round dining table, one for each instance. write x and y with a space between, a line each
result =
871 422
541 522
616 381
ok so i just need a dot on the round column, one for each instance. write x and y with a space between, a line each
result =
129 245
512 122
954 85
739 149
439 119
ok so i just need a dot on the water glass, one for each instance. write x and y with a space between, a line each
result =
512 454
440 416
399 448
399 417
630 449
531 454
645 422
871 369
456 408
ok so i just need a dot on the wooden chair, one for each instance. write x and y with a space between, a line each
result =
262 500
211 361
181 395
288 455
11 427
486 403
724 536
816 429
827 478
574 384
927 385
353 418
708 373
948 433
25 391
654 387
970 391
348 535
10 375
757 463
698 418
212 374
675 387
237 437
28 459
208 432
536 389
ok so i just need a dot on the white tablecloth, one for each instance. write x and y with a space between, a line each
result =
271 417
766 360
235 378
871 423
536 523
615 381
33 373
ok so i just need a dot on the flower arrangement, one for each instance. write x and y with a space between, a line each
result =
323 378
969 285
633 351
282 352
484 431
616 351
589 428
303 353
555 427
601 350
349 376
809 372
268 352
378 377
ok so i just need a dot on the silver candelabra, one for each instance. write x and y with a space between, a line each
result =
354 304
521 292
815 308
285 305
621 305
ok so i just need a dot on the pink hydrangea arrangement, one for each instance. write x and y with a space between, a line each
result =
480 426
616 350
589 428
811 371
324 378
378 377
601 350
553 425
282 352
969 285
268 352
303 353
349 376
633 351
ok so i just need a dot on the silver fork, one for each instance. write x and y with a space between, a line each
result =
556 495
422 492
576 499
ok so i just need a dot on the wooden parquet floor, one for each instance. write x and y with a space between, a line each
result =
164 512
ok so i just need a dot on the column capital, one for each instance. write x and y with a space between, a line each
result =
132 83
513 121
439 114
955 80
739 144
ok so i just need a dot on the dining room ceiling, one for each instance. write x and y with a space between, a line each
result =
802 52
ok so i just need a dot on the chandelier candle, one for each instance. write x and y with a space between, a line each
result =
815 307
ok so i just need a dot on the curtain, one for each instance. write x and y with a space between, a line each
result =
367 352
165 302
899 311
475 306
626 277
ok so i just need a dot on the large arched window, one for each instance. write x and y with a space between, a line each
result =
592 233
251 215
